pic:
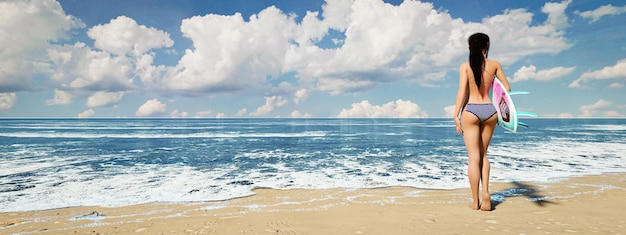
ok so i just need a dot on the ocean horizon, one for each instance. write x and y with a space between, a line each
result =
64 162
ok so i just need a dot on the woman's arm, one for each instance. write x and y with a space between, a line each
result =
500 75
461 96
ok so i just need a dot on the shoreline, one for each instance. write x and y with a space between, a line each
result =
574 205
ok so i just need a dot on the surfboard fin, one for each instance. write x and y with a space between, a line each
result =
522 124
519 92
522 113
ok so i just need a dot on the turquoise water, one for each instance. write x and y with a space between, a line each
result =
53 163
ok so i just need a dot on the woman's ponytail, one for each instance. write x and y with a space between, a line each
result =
477 43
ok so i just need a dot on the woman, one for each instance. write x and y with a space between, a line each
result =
478 115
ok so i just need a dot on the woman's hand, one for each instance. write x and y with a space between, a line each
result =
459 129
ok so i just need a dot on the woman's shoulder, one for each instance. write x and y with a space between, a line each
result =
465 65
493 62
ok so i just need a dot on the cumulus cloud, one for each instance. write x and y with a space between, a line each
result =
125 52
376 43
271 102
449 110
410 41
7 100
230 53
300 95
531 73
242 112
60 97
80 68
123 35
102 76
617 71
203 114
424 39
556 13
528 39
87 113
395 109
592 110
606 10
178 114
565 115
104 99
152 108
27 29
298 114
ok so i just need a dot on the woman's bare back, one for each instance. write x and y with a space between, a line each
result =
479 94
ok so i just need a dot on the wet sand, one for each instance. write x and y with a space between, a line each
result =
584 205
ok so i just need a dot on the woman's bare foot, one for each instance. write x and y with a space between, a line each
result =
486 203
474 206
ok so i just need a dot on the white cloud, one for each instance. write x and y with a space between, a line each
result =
612 113
401 41
104 99
395 109
617 71
591 110
87 113
378 43
410 41
606 10
565 115
300 95
7 100
405 41
297 114
151 108
178 114
449 110
526 39
531 73
123 35
556 13
26 29
60 97
229 53
271 102
81 69
204 114
102 76
242 112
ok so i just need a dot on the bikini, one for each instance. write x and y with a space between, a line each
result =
482 111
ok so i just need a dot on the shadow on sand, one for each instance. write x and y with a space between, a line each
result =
520 189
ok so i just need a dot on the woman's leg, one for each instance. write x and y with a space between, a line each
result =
472 138
487 128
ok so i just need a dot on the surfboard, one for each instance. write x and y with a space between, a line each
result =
508 116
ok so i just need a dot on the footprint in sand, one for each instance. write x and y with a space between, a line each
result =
541 212
282 227
491 221
211 226
432 221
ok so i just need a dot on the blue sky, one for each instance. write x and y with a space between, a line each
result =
334 58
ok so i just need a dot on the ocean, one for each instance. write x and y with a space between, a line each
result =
58 163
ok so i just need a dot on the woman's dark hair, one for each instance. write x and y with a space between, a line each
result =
477 43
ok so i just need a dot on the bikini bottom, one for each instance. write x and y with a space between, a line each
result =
482 111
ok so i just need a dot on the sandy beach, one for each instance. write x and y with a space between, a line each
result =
583 205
